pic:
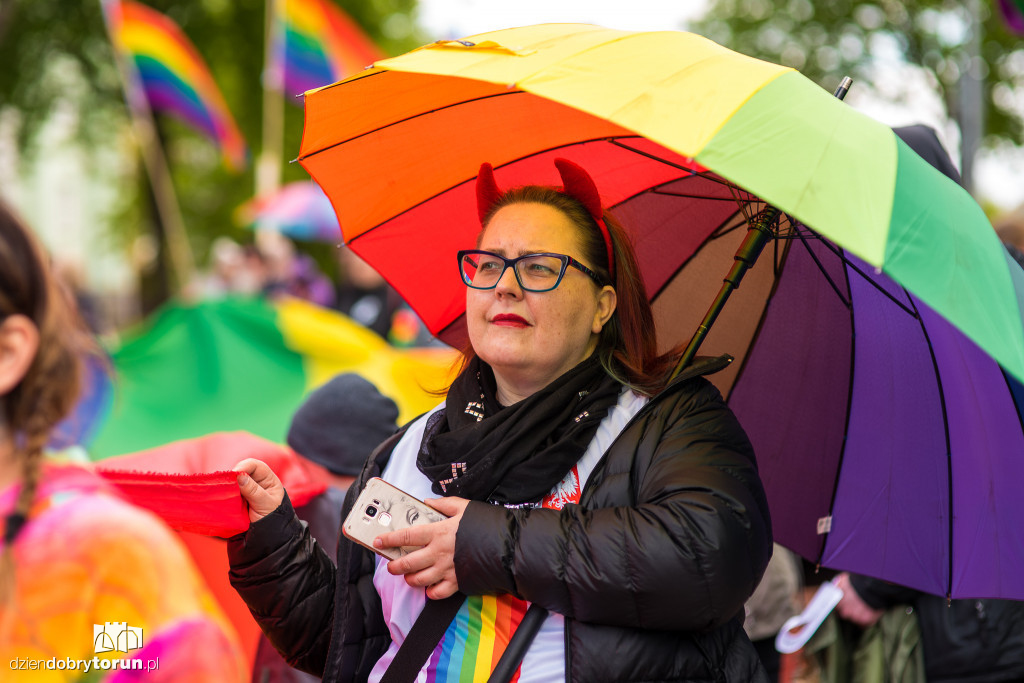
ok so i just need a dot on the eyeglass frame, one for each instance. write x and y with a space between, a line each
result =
511 263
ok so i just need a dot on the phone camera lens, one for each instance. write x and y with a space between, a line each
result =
371 511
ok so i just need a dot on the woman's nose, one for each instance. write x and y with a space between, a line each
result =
508 285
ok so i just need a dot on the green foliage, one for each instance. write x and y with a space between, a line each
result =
829 40
53 51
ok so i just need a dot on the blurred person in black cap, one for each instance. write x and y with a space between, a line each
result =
336 427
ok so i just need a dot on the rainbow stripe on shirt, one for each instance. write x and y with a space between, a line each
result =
479 634
476 639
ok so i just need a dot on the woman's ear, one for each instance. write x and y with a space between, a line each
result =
19 341
606 302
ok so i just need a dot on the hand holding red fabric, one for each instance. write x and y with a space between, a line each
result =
260 488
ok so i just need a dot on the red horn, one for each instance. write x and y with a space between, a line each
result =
487 191
577 183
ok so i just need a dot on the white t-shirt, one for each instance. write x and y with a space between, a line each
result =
469 642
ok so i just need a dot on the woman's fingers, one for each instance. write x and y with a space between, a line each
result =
260 487
452 506
418 535
432 566
442 590
423 568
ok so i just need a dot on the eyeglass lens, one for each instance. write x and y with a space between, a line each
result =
535 273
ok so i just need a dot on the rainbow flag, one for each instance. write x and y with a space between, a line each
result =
240 364
317 44
1013 14
174 76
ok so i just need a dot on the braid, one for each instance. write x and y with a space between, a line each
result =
31 468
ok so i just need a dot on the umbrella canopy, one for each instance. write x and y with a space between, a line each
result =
299 210
687 141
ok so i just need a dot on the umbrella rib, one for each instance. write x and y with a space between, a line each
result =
684 195
728 226
653 157
824 273
672 276
949 454
410 118
846 424
911 312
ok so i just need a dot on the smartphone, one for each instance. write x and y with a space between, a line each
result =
381 507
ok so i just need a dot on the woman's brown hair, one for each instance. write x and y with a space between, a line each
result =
50 387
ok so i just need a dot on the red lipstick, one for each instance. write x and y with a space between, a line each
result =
509 320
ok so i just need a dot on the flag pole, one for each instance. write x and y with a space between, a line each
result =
268 167
153 158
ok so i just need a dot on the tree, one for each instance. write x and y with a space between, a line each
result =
53 50
964 49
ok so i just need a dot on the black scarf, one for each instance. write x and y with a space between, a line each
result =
477 449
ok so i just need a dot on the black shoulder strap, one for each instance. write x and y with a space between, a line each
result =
518 644
437 615
422 638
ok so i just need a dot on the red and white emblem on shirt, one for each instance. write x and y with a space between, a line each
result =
566 491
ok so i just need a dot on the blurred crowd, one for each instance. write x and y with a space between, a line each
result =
273 266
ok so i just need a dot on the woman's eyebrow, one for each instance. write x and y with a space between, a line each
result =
523 252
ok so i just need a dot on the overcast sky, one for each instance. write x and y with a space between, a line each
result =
457 18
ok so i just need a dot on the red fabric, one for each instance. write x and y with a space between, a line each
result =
191 485
207 504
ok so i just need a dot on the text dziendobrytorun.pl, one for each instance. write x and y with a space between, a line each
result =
84 665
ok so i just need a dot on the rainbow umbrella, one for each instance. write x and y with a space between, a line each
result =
299 210
245 365
878 347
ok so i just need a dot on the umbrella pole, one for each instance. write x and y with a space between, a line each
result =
758 235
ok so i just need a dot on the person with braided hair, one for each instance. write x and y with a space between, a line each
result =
590 496
91 587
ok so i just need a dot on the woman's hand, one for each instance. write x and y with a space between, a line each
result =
432 566
852 607
260 487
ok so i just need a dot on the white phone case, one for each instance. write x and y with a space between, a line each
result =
382 507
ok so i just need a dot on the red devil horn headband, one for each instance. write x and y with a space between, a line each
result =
487 192
576 183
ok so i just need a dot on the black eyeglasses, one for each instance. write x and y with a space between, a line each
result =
534 272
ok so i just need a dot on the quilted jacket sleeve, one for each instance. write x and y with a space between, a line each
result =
672 533
287 582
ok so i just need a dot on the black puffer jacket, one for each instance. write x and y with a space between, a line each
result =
651 569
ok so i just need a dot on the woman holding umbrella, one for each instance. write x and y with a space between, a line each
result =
576 478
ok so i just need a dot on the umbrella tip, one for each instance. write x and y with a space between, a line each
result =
844 87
